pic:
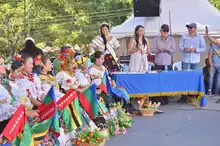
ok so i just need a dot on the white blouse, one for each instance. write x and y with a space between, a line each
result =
82 79
6 109
66 81
98 43
96 74
21 94
32 84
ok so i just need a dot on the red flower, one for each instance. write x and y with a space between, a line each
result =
68 81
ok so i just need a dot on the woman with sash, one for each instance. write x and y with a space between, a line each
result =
139 48
8 102
107 44
31 82
67 79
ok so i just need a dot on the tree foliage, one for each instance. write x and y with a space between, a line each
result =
57 22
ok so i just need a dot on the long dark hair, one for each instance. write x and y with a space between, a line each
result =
102 35
136 36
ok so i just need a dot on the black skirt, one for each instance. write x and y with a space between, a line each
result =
110 63
3 125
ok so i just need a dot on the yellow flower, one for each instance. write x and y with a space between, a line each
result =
79 61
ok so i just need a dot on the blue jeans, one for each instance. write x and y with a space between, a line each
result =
214 78
190 66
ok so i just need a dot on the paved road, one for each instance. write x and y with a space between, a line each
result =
180 125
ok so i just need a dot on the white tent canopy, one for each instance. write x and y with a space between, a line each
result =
178 13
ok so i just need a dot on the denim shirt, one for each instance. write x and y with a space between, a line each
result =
215 50
197 42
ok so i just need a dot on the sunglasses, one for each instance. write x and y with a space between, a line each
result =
189 27
165 30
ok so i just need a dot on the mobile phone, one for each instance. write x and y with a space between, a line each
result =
206 29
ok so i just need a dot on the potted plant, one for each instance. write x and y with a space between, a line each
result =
90 138
147 108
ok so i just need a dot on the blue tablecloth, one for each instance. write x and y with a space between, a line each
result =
163 83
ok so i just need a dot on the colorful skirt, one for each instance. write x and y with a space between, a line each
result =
110 64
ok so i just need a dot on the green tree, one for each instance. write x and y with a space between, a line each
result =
216 3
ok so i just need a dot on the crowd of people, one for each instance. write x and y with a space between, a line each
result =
31 76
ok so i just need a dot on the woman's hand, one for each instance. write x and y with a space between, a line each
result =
32 113
113 84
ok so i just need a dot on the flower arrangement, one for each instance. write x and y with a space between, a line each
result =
89 137
147 108
65 58
119 122
38 60
80 59
10 60
123 119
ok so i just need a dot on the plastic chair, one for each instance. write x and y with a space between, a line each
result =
177 66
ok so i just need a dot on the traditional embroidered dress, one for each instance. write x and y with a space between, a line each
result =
70 81
83 78
108 50
6 107
32 84
66 80
138 61
21 94
47 81
96 73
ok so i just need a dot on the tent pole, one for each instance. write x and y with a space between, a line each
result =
170 33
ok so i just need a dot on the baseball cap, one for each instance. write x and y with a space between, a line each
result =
165 27
192 25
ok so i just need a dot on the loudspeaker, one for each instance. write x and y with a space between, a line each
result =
147 8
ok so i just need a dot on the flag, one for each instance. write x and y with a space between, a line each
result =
120 92
18 129
47 111
72 115
69 108
49 99
40 129
105 86
88 100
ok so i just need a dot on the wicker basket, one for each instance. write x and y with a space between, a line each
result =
147 112
88 144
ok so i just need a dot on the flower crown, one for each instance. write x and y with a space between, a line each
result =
10 60
80 59
38 60
65 58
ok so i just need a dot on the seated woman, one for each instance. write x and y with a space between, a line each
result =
30 82
67 79
97 72
8 104
66 74
47 80
16 73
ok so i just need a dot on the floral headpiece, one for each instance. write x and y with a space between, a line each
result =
38 60
65 58
80 59
9 61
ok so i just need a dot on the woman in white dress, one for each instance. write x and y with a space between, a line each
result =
16 73
31 82
139 48
7 108
107 44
